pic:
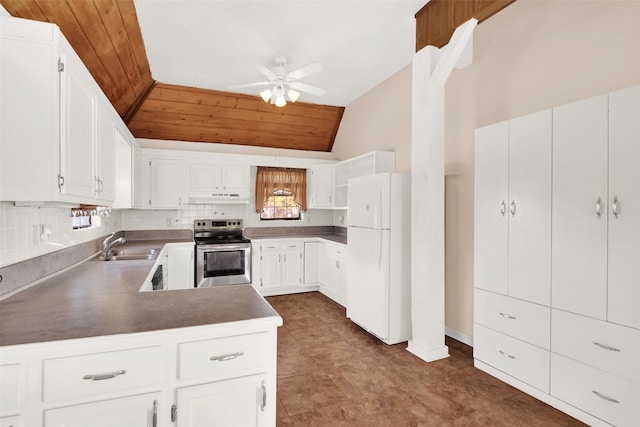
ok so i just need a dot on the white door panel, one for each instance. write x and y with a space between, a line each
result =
530 207
491 208
579 232
368 280
624 188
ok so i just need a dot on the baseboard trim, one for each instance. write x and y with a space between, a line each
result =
428 354
457 335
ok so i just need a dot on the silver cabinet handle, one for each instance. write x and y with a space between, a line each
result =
105 376
225 357
614 207
503 208
263 405
599 207
606 347
338 264
506 354
154 417
512 208
507 316
605 397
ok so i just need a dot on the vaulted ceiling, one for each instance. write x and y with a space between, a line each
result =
213 44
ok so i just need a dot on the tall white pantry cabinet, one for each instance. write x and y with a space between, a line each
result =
557 256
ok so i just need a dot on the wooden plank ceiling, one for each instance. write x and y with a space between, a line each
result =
107 37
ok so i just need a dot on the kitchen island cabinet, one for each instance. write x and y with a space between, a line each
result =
85 345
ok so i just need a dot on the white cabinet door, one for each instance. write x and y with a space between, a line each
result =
320 186
140 410
491 208
311 261
181 266
205 180
292 264
166 183
13 421
234 402
624 207
235 180
579 216
270 268
123 170
78 121
530 208
141 180
105 156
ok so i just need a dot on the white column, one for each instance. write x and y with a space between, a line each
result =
431 69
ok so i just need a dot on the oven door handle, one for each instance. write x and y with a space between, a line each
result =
226 247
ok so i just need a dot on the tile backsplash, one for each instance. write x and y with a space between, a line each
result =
31 231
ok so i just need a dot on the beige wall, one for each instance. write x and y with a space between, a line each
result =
533 55
380 120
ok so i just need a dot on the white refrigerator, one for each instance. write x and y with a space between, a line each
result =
379 247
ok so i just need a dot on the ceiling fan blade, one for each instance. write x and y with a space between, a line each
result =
250 85
303 87
267 72
307 70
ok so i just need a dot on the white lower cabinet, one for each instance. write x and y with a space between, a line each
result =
333 271
209 375
180 266
603 395
233 402
139 410
278 267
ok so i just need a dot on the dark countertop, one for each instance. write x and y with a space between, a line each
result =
337 238
98 298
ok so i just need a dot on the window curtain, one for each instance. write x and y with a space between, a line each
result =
268 180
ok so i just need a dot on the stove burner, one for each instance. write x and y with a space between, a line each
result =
208 232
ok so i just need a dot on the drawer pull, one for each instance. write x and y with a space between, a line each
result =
506 354
225 357
606 347
107 376
507 316
605 397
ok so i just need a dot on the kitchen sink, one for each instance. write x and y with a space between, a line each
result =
134 254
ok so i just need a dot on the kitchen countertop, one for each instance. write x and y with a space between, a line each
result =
337 238
98 298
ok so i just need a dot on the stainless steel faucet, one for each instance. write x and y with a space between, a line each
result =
107 246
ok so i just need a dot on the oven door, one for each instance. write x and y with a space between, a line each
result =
223 264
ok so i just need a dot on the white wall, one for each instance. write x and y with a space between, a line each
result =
20 231
380 120
533 55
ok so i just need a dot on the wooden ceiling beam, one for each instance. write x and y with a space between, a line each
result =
438 19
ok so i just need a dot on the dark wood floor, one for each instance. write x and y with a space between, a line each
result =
332 373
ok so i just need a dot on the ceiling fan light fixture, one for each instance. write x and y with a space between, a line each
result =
293 95
280 101
266 95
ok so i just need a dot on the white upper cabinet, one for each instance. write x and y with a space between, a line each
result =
513 208
320 186
579 219
166 184
210 183
490 208
57 126
624 207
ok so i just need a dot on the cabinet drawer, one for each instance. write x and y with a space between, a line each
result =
523 361
520 319
10 421
102 372
612 348
269 246
290 246
606 396
335 250
11 381
224 356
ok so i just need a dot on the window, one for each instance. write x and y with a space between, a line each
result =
281 193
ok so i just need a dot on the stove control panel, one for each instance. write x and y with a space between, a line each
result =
217 224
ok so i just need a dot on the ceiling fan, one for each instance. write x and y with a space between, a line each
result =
285 85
